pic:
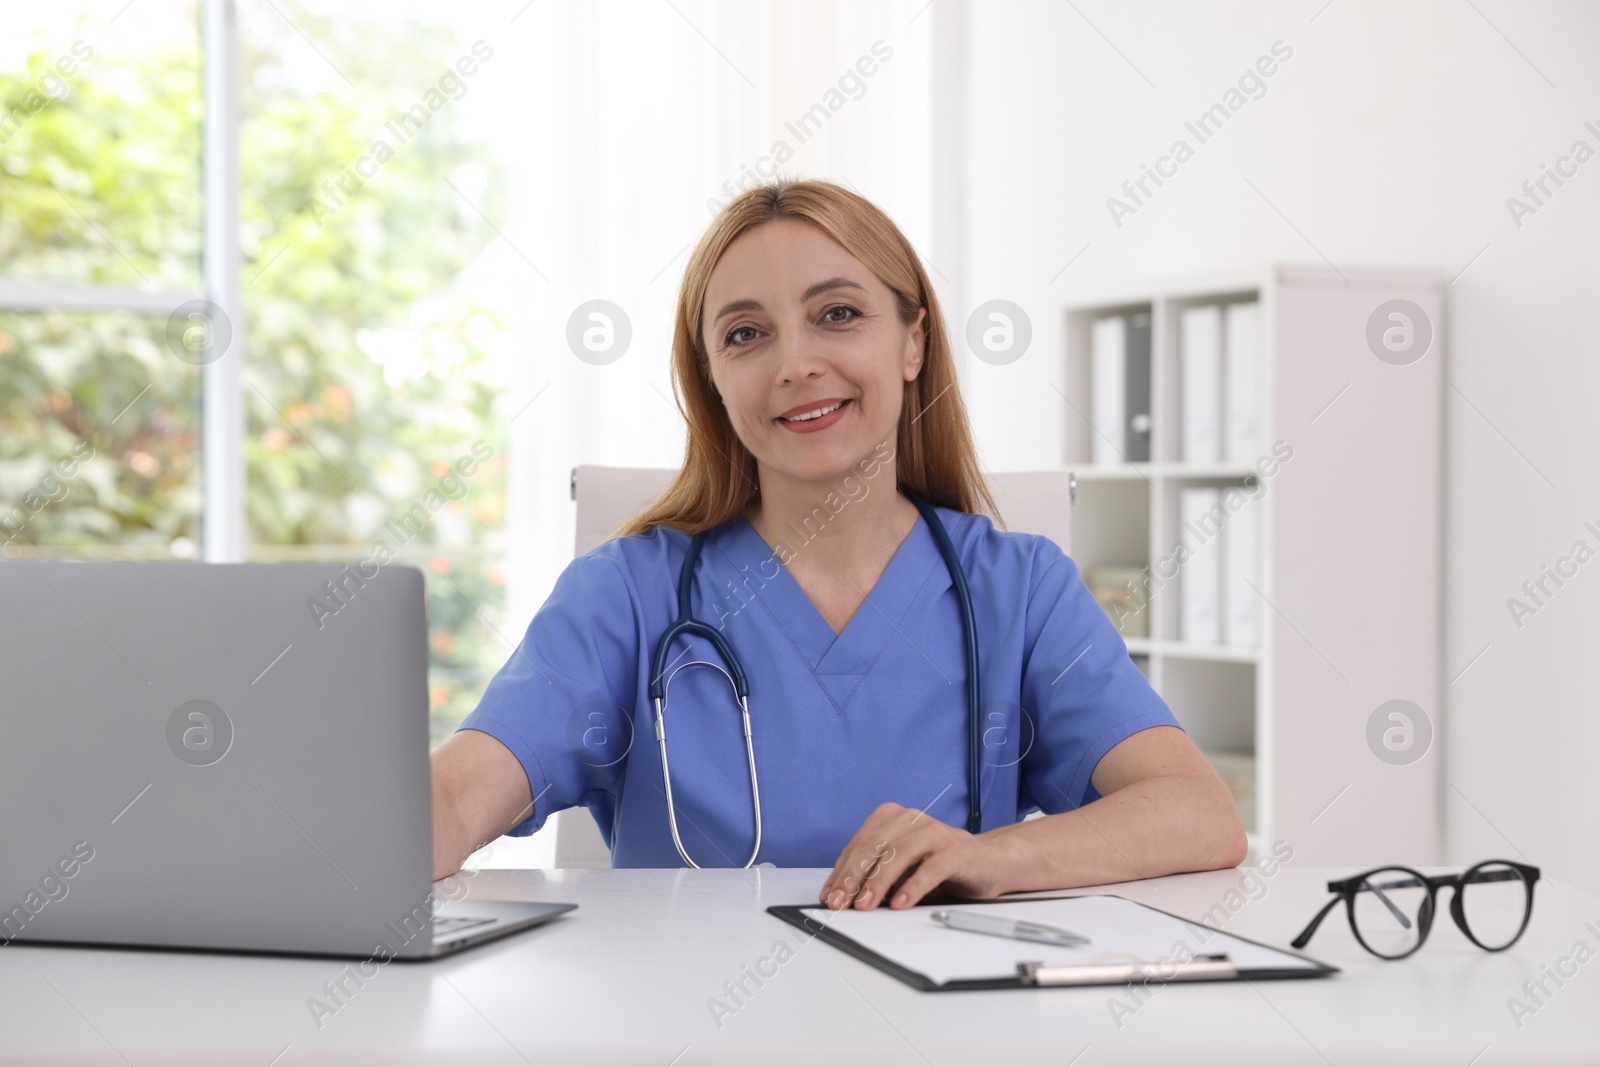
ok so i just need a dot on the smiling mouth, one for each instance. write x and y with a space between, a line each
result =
815 414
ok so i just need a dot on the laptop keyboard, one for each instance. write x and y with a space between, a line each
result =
454 924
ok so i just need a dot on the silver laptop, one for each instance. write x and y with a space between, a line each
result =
224 756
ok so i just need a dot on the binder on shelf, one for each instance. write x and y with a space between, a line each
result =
1241 356
1128 942
1200 576
1136 402
1200 382
1238 574
1107 384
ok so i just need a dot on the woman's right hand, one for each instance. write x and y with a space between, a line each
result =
479 792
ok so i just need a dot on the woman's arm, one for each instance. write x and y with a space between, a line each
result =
479 792
1162 810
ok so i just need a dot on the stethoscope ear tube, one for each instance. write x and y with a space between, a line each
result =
969 633
687 624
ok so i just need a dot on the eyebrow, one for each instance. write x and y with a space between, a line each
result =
820 287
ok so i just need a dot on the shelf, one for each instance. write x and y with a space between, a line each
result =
1208 470
1362 490
1218 653
1120 472
1147 471
1144 646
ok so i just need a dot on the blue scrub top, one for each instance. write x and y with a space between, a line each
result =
841 724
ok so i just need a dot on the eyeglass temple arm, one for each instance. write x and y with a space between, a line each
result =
1400 916
1311 928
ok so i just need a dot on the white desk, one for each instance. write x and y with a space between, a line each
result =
626 979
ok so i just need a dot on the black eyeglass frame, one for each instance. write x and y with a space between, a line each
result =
1347 888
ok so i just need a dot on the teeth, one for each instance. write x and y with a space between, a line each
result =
817 414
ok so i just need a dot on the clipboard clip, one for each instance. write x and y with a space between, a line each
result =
1162 970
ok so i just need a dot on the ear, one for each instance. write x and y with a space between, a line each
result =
916 344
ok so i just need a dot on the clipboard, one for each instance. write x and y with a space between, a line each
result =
1134 943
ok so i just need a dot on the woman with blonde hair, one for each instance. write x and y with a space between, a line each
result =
828 528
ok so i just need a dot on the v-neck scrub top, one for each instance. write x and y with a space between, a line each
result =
840 723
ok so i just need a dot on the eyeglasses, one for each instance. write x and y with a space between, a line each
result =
1391 908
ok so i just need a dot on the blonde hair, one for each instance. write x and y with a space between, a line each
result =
934 454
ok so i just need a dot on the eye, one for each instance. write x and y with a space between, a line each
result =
854 314
729 340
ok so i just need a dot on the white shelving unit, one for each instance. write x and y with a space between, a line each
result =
1347 553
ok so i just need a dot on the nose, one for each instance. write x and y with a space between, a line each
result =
798 358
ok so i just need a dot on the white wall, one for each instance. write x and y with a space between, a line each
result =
1393 135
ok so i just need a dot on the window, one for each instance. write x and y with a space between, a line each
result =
424 195
99 242
369 368
373 367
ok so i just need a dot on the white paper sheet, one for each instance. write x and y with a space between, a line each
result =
914 941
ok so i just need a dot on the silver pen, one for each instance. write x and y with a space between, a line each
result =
1019 929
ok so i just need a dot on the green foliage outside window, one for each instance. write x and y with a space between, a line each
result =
367 374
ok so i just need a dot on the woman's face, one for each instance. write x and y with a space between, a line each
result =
794 323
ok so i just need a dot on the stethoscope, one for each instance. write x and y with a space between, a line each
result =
687 624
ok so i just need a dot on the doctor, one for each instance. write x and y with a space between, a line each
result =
811 360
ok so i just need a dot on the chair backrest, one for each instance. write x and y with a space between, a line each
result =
1037 502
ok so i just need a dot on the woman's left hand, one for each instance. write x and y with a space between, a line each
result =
901 854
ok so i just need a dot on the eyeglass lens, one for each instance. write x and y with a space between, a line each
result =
1494 902
1390 912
